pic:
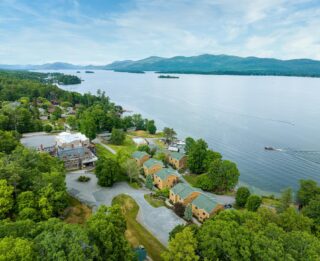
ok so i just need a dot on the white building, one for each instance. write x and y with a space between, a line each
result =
71 140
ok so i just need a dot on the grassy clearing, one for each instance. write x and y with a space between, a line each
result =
192 179
128 145
156 203
145 134
136 234
76 213
103 152
134 185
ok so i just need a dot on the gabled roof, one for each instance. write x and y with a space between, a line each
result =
182 190
151 162
205 202
177 155
163 174
139 154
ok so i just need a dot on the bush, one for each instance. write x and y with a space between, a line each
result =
242 196
117 137
47 128
253 203
83 179
179 209
162 193
204 182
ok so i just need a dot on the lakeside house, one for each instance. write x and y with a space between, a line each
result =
165 178
140 157
151 166
204 207
177 160
183 193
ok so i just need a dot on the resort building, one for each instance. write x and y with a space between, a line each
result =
165 178
204 206
177 160
183 193
72 140
140 157
75 150
151 166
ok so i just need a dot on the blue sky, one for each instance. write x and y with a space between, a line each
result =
101 31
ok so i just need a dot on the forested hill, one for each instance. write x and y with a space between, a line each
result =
222 64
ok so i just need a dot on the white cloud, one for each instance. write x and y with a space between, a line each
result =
52 32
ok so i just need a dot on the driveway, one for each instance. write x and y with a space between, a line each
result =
159 221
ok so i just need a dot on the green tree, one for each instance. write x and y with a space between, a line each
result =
72 122
47 128
253 202
16 249
312 210
151 127
106 230
144 148
88 126
285 200
291 220
182 247
224 240
26 199
138 122
6 198
188 213
169 134
132 169
117 136
107 171
8 141
177 229
242 196
149 182
197 156
60 241
224 175
308 190
189 144
211 156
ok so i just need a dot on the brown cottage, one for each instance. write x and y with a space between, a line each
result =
140 157
177 160
165 178
183 193
151 166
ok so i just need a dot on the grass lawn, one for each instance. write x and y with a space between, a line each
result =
145 134
128 145
192 179
136 234
76 213
103 152
270 202
154 201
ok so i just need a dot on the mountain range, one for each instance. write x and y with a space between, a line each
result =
202 64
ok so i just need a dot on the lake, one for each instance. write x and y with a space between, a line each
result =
237 115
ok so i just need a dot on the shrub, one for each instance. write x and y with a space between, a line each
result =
47 128
179 209
162 193
253 203
83 179
242 196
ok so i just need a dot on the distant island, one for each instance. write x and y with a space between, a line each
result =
89 72
201 64
168 77
129 71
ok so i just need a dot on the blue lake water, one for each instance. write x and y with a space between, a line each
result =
237 115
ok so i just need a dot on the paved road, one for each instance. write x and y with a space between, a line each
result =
159 221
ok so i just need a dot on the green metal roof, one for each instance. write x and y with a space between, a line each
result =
182 190
151 162
177 155
205 202
139 154
163 174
